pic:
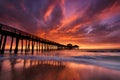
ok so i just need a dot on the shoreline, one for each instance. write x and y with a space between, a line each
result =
79 60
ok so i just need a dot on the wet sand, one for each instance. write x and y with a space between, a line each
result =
19 69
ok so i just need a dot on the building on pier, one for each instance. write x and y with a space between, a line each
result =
70 46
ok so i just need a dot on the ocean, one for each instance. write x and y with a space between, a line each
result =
60 65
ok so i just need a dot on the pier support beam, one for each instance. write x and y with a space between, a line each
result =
16 47
36 46
41 46
45 47
21 45
33 47
1 40
3 46
48 47
11 44
26 46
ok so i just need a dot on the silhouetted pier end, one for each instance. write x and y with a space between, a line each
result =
70 46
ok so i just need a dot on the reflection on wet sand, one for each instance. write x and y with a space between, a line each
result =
17 69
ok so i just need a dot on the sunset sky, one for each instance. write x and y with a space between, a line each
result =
88 23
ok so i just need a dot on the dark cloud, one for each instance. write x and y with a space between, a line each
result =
12 12
97 6
24 12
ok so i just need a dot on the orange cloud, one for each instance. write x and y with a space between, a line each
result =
67 21
48 12
64 23
74 28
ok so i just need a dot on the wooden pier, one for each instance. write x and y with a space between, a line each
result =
25 41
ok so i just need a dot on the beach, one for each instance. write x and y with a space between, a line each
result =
69 65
